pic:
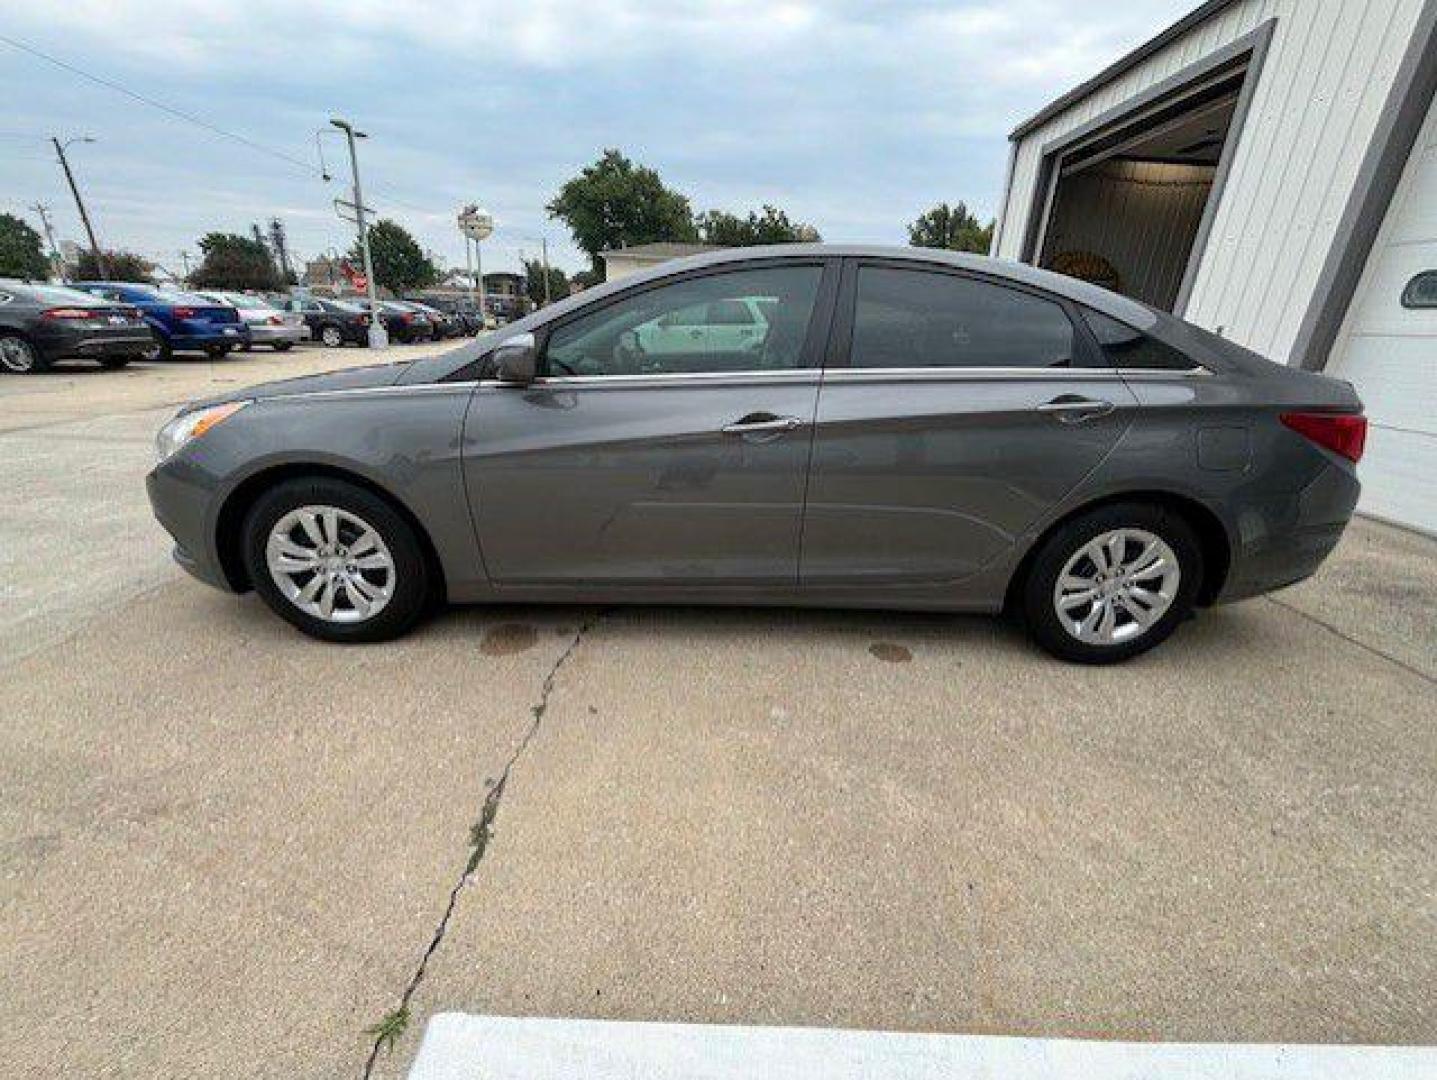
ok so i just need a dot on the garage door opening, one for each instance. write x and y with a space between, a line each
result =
1128 200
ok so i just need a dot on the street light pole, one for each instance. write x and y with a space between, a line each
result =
544 248
378 339
79 202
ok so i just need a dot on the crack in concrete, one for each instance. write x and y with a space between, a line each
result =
482 831
1338 632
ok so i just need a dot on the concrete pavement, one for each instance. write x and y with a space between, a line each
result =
227 850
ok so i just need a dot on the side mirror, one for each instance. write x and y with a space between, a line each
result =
515 360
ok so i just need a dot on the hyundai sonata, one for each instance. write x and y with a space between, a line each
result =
814 425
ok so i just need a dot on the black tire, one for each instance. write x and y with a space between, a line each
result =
160 350
19 357
410 588
1037 600
282 346
331 336
114 363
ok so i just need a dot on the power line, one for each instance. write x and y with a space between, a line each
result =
161 106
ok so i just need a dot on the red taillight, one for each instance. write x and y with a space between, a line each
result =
68 313
406 319
1342 433
364 320
184 313
275 320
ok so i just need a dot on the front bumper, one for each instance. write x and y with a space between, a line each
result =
180 506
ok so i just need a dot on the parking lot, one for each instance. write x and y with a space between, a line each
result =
229 849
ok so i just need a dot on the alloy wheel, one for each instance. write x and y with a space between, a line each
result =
16 354
331 337
330 563
1116 586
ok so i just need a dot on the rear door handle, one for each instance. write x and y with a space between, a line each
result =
1072 409
757 423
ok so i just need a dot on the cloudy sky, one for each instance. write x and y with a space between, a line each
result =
854 115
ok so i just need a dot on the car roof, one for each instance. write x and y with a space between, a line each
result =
1109 303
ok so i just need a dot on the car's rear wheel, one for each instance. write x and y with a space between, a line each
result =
19 357
1112 583
332 337
336 560
160 350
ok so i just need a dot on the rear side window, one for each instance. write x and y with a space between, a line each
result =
1131 349
922 319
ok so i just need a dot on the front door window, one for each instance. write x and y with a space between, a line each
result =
744 320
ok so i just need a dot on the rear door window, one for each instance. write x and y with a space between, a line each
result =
928 319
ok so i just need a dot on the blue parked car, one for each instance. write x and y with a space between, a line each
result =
182 322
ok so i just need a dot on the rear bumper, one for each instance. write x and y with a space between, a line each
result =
63 343
233 335
1285 541
266 334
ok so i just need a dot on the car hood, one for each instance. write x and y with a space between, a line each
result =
361 378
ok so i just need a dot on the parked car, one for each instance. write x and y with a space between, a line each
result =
42 323
332 322
405 324
268 323
466 312
182 322
916 429
445 324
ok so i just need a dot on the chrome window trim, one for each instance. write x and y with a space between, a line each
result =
788 377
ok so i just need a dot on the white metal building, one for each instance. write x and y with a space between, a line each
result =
1266 169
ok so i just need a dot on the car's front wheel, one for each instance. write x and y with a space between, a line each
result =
1112 583
332 337
336 560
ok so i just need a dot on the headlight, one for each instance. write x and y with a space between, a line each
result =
191 425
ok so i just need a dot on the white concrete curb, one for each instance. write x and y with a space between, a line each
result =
461 1047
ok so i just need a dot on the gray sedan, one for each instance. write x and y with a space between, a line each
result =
816 425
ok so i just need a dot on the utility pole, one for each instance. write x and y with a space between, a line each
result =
79 202
56 261
544 248
378 339
185 260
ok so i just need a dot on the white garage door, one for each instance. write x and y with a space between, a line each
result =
1389 350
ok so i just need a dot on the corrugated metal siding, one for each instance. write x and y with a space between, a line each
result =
1390 352
1139 215
1327 75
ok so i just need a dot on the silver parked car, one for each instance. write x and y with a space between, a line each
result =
899 429
269 324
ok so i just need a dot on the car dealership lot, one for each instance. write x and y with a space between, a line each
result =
227 847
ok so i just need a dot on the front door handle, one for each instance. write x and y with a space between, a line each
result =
758 423
1072 409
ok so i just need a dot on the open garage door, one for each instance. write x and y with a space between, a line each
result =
1127 203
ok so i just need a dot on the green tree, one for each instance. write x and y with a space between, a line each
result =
399 262
773 226
614 203
232 261
121 266
951 227
534 281
21 255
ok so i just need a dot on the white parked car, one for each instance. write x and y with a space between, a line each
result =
268 323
